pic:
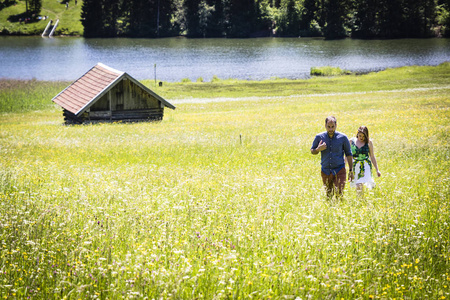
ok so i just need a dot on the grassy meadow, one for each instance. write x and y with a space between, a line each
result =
222 199
69 19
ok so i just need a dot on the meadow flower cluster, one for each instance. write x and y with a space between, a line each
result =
223 200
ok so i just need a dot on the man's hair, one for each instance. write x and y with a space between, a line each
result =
330 118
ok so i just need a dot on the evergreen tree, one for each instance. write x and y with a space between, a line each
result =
216 24
133 13
242 18
92 18
111 13
308 13
192 18
205 13
390 16
35 6
149 18
445 17
310 18
165 12
336 12
142 18
289 22
246 18
418 18
365 22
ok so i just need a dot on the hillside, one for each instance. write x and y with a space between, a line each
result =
69 18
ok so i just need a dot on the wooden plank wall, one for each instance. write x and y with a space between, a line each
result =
129 103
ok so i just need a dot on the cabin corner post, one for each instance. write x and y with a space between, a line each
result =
110 105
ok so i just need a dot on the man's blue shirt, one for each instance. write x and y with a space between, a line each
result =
333 157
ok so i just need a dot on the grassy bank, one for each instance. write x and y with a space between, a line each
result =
23 96
223 200
390 79
69 18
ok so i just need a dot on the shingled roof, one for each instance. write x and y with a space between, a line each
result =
90 87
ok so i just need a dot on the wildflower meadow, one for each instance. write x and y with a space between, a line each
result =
223 199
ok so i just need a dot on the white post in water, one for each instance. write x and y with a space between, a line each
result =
54 28
155 75
46 28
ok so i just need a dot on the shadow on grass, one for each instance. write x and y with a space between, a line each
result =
7 3
25 17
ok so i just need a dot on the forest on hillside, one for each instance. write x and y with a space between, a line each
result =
332 19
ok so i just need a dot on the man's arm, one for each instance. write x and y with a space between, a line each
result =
350 167
318 145
349 158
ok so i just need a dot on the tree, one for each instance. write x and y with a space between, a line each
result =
365 22
443 17
205 13
216 23
310 18
390 18
167 26
289 21
141 17
336 12
111 13
192 18
242 18
418 18
92 18
34 6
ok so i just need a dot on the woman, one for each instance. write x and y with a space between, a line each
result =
363 160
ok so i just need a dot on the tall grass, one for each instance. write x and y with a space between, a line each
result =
27 95
223 200
328 71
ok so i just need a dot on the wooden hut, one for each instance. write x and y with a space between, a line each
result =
104 94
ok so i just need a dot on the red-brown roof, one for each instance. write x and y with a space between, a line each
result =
87 88
90 87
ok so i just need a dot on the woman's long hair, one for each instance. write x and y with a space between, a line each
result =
365 131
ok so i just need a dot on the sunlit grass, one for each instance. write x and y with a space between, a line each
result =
390 79
69 19
328 71
223 200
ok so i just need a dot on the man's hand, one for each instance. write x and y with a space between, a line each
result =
322 146
350 176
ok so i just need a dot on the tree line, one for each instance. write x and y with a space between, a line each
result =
331 19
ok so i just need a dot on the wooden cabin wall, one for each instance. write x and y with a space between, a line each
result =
129 102
137 98
126 95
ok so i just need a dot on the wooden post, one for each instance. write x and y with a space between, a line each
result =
110 105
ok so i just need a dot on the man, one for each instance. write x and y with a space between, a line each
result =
332 146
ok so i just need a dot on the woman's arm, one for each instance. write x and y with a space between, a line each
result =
373 159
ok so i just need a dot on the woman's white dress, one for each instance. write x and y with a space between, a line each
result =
362 166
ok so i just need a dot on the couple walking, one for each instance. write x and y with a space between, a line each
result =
359 153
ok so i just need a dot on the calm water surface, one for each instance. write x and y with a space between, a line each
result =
178 58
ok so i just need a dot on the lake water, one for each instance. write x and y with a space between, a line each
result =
67 58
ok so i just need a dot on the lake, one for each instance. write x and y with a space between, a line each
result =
67 58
